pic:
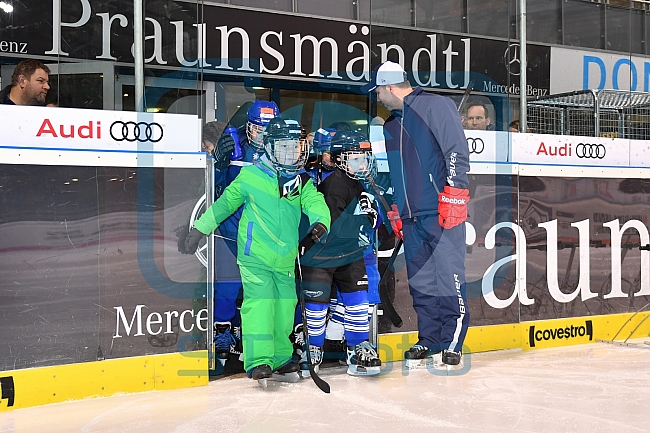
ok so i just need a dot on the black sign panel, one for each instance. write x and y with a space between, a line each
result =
240 42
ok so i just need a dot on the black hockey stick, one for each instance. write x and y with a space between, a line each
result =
387 305
468 90
395 318
320 383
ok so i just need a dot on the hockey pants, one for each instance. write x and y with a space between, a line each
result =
267 315
435 264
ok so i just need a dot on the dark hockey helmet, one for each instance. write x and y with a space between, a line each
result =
257 117
284 146
351 152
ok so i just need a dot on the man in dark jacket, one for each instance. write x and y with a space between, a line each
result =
428 159
29 84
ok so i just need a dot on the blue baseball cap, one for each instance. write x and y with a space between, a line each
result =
386 73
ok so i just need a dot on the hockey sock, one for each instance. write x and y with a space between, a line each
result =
335 326
316 314
355 318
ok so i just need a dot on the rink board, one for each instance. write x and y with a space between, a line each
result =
46 385
545 334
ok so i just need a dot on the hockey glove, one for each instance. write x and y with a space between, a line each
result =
182 233
365 203
222 151
452 206
395 221
192 241
319 233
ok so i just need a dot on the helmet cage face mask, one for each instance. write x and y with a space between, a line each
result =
254 135
288 155
357 164
284 145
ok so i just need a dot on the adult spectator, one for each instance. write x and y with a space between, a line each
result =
478 117
29 84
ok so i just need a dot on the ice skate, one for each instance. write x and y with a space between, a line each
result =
450 360
362 360
224 342
297 338
420 357
261 373
286 373
316 353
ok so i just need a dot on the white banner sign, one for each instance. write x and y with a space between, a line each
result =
580 70
488 146
66 136
570 150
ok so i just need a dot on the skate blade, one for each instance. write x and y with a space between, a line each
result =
423 364
446 367
264 384
355 370
286 377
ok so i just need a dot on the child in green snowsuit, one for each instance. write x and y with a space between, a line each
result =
274 196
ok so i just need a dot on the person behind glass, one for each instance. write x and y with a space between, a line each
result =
29 84
274 195
428 158
478 118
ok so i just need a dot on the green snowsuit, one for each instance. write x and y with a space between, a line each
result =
267 246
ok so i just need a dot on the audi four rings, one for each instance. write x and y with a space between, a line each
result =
140 131
588 150
476 145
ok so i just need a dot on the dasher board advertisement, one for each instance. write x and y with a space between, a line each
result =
570 150
66 136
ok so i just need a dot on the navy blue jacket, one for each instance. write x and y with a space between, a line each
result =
426 150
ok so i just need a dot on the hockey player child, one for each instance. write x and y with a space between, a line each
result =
273 196
227 335
230 156
339 260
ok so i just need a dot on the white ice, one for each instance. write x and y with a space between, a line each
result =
588 388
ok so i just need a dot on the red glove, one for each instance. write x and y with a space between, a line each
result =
452 206
395 221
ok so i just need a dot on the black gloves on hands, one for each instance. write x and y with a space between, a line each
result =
319 233
192 241
182 233
222 151
365 203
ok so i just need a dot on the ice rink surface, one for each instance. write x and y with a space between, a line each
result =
589 388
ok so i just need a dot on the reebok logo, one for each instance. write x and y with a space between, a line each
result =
566 332
452 200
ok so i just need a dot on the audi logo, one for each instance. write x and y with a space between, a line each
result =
587 150
140 131
476 145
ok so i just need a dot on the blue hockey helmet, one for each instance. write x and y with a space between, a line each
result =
323 140
257 117
351 152
284 145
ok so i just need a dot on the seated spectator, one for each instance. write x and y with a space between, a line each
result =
477 117
514 126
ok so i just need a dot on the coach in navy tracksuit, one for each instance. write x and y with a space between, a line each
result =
428 159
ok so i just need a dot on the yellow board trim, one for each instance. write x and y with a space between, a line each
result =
517 335
45 385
